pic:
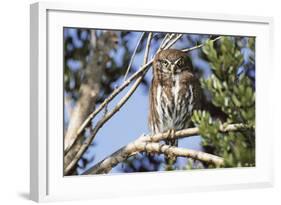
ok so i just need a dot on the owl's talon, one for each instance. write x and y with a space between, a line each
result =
171 134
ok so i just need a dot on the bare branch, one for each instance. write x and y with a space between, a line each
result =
151 147
133 55
166 40
146 53
189 132
173 41
200 45
148 144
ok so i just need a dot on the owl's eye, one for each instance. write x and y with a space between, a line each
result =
180 63
165 63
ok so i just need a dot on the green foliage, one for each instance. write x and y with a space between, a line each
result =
234 94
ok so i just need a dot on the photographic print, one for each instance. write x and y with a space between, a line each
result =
145 101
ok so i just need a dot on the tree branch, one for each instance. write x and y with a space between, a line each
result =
200 45
151 147
168 37
133 55
149 144
189 132
173 41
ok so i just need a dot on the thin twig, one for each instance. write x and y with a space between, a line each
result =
133 55
146 53
201 45
135 147
166 40
170 44
163 40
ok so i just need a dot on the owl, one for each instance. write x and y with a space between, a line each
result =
174 93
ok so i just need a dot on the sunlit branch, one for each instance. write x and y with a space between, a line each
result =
189 132
151 147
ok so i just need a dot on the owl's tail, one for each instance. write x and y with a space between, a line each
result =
171 160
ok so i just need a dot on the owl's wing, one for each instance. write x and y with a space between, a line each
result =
198 95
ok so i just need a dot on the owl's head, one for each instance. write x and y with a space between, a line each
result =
171 62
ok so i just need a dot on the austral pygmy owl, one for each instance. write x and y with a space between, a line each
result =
174 93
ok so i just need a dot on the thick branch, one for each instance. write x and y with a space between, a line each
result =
151 147
148 144
189 132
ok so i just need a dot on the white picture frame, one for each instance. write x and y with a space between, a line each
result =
47 182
